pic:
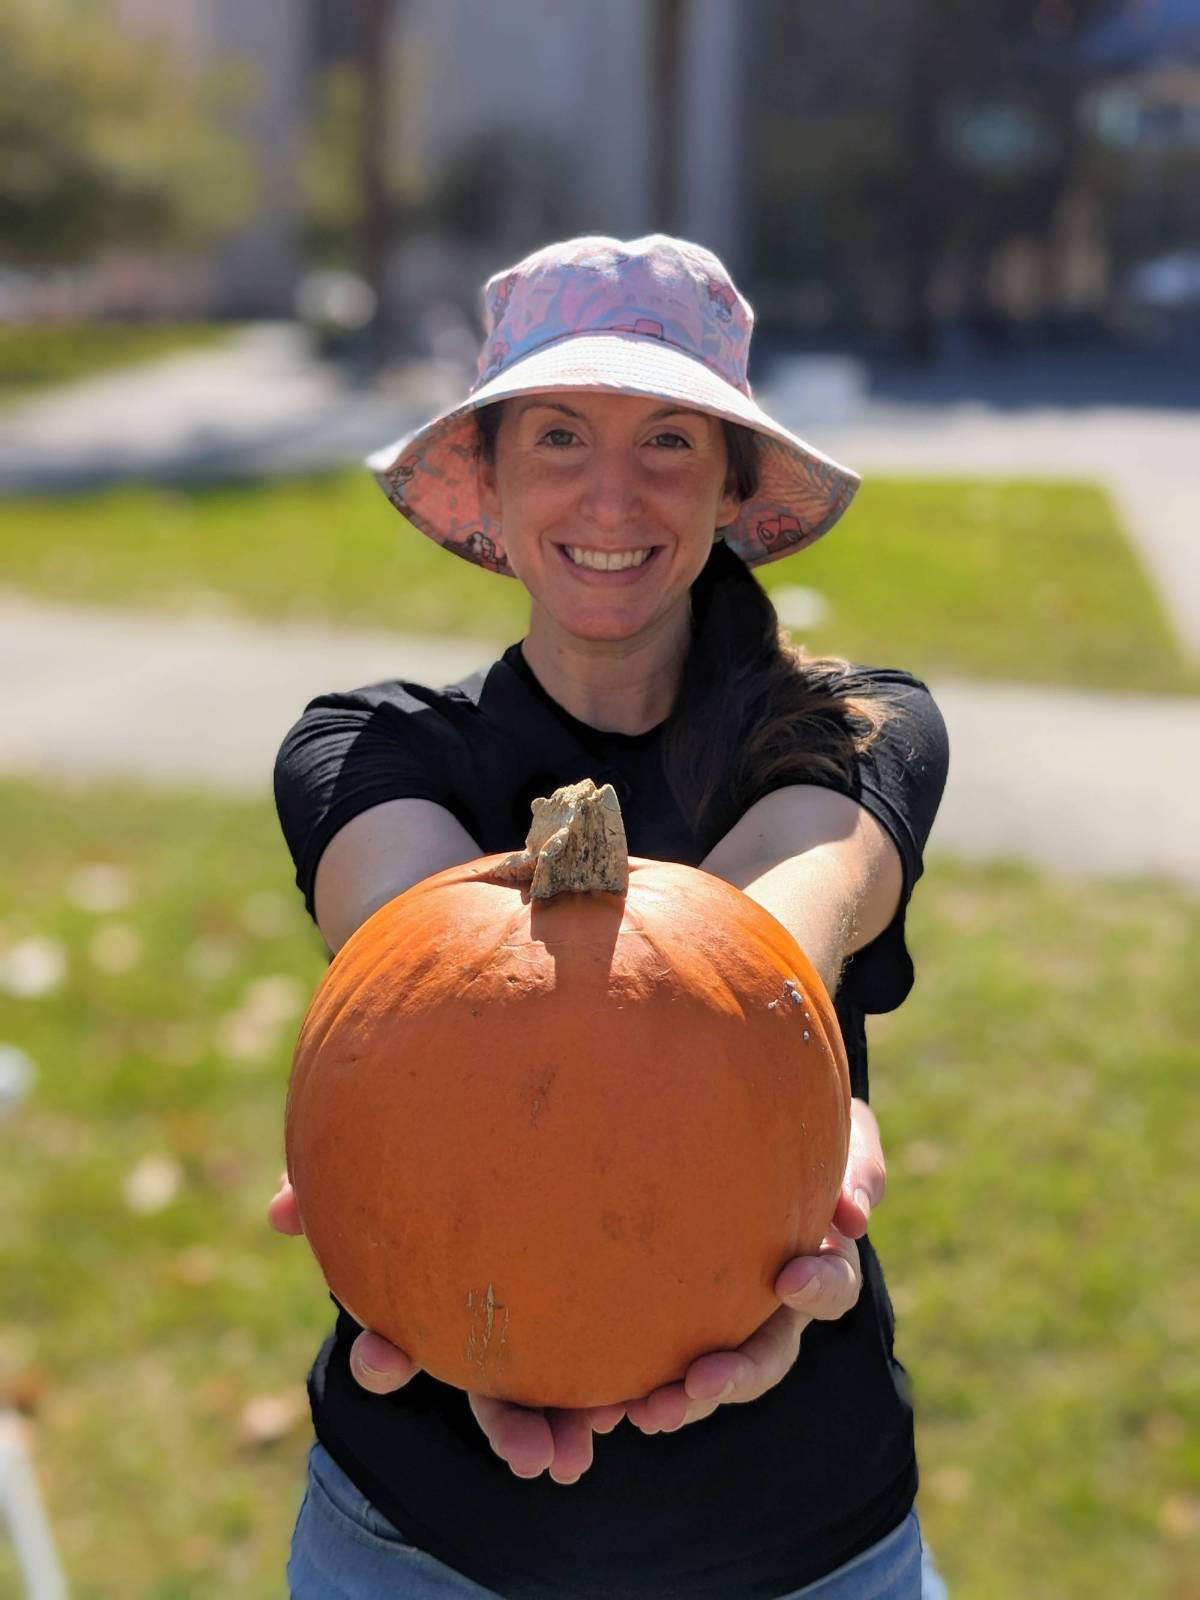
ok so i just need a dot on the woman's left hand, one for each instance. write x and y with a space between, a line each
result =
811 1288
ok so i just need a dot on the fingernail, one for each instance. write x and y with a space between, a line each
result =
809 1290
863 1201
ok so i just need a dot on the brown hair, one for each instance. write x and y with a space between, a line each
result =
753 711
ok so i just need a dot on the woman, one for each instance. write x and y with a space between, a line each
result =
611 458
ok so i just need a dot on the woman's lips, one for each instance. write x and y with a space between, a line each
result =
622 577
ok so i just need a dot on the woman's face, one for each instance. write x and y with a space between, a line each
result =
587 476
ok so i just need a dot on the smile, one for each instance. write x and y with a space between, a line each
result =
607 560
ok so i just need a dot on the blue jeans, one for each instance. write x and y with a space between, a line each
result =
344 1549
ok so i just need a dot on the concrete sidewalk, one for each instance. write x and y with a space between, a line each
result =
257 404
1072 781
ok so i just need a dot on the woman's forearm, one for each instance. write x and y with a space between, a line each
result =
813 896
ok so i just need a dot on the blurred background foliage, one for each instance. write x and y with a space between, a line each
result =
105 141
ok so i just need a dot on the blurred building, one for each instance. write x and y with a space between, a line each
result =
813 148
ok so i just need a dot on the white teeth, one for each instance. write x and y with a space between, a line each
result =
606 563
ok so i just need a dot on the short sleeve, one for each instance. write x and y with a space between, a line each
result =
900 781
349 752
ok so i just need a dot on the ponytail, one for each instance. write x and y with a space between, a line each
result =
753 712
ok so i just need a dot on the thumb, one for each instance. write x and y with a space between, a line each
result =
283 1213
378 1365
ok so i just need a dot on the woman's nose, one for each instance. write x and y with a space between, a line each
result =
611 496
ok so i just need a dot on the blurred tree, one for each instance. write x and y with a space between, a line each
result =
105 140
332 196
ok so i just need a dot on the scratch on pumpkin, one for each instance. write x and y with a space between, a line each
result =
483 1309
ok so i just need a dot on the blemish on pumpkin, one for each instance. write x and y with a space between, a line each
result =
542 1089
613 1224
484 1326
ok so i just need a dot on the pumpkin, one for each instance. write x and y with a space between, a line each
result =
557 1119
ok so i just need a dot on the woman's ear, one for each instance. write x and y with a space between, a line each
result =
489 495
731 501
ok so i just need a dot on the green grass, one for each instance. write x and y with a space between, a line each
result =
37 357
1038 1104
1027 581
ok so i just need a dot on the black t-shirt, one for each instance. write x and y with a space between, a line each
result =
760 1498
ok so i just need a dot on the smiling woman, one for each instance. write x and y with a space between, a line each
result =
612 459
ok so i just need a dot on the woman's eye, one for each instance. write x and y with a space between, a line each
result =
673 440
557 436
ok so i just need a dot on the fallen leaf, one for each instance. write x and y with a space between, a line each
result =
152 1184
22 1390
1179 1516
269 1417
32 968
246 1037
276 998
100 887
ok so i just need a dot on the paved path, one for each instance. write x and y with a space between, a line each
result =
1073 781
257 403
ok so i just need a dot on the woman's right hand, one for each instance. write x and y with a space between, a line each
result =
529 1439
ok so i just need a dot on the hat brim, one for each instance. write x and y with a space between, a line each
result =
431 474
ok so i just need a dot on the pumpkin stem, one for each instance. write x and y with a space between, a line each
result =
576 842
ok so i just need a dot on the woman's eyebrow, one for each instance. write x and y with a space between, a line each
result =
556 405
549 405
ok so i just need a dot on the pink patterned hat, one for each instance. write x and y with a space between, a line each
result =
653 316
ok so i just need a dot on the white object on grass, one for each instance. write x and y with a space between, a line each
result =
21 1508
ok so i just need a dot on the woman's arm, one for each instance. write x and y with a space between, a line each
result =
820 864
831 874
380 853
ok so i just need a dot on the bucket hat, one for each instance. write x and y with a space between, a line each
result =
655 316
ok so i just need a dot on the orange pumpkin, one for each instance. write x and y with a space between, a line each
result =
557 1119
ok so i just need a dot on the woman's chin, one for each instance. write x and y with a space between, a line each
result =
603 620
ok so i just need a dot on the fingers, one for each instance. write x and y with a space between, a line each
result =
378 1365
767 1355
825 1286
865 1180
666 1409
724 1377
283 1213
518 1435
531 1441
605 1418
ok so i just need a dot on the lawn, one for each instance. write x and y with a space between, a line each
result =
1037 1098
36 357
1031 581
